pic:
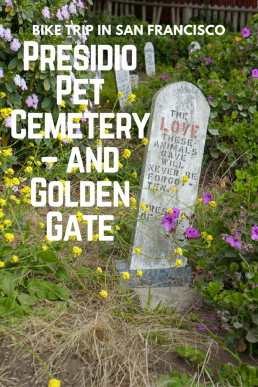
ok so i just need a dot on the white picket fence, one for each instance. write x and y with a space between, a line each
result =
179 13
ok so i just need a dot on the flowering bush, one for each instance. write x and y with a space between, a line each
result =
225 70
33 90
227 265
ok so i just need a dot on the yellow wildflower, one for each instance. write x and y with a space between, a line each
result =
79 216
185 179
209 238
147 210
31 144
98 142
7 222
106 131
106 179
44 247
120 165
2 202
47 240
117 228
154 189
143 206
1 227
183 217
28 170
54 383
204 234
38 163
25 190
137 250
179 263
145 141
9 237
62 104
134 174
139 273
7 152
72 238
179 251
99 270
76 251
41 224
170 211
1 264
120 203
126 275
95 237
15 258
120 94
212 203
199 201
126 154
2 95
103 293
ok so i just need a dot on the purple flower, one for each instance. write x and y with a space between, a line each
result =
9 3
215 345
169 220
198 271
207 198
29 101
7 34
192 233
15 45
254 233
80 4
213 318
234 241
72 8
214 328
8 122
199 304
207 60
23 84
255 73
246 32
35 101
190 48
181 65
45 12
201 328
58 15
1 73
17 80
164 77
205 315
2 31
65 12
210 98
252 286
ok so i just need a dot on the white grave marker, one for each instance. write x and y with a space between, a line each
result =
176 133
123 83
134 78
149 59
195 46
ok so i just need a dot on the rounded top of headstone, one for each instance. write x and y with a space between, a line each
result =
181 91
195 46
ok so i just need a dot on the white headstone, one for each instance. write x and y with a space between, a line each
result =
134 78
176 133
149 59
123 83
195 46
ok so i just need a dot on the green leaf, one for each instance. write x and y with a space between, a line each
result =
46 84
234 266
235 299
10 308
47 102
214 132
255 317
47 290
13 63
215 153
252 335
163 381
90 2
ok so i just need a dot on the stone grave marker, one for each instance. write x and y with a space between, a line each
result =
195 46
176 133
134 78
123 83
149 59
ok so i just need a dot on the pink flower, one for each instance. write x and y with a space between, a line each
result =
176 52
246 32
29 101
45 12
213 318
234 242
23 84
207 198
2 31
214 328
72 8
80 4
254 233
7 34
210 98
190 48
170 219
198 271
192 233
255 73
9 3
1 73
65 12
15 45
8 122
201 328
58 15
164 77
